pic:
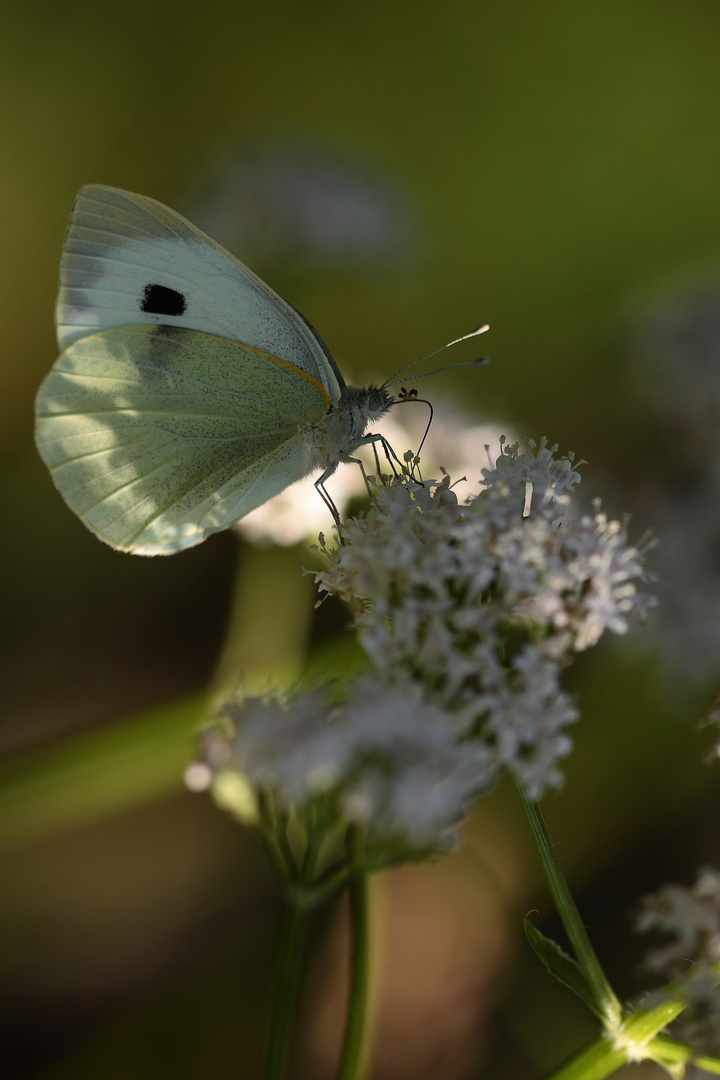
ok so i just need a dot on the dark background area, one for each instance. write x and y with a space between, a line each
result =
400 175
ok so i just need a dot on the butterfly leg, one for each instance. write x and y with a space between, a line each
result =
357 461
368 439
325 494
326 497
389 452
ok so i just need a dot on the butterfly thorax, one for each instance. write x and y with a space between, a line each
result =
342 430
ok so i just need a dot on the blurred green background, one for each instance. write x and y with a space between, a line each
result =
544 167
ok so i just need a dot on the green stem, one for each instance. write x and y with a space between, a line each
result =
670 1050
607 1003
319 892
290 953
353 1057
639 1038
635 1040
594 1062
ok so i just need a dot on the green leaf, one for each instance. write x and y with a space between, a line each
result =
562 966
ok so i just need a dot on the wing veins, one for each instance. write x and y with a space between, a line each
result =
203 481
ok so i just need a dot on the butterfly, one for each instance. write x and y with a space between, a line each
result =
187 392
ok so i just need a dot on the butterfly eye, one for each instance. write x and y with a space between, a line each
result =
378 401
159 300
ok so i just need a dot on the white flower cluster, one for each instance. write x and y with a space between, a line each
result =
691 917
469 614
482 604
385 759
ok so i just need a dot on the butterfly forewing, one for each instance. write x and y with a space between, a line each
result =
156 439
128 260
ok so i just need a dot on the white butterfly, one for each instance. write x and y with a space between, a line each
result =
187 392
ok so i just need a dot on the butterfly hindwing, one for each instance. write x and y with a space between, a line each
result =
157 436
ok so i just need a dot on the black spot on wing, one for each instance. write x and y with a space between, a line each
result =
159 300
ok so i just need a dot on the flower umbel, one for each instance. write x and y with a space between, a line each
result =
386 760
483 604
691 918
468 614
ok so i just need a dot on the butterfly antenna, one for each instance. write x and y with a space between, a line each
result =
465 337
